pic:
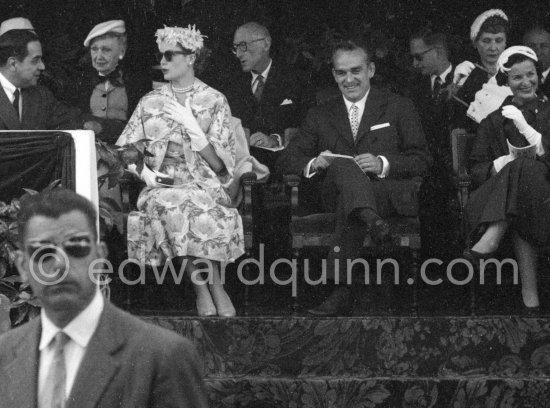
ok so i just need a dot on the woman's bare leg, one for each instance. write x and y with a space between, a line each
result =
219 295
490 240
526 255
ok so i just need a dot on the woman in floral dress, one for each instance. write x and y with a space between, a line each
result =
189 157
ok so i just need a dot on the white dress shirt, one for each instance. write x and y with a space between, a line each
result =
443 76
9 89
254 83
361 109
545 75
80 331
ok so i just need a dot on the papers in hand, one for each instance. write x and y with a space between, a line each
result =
487 100
332 156
529 152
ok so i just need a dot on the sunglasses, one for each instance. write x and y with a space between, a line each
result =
168 55
75 247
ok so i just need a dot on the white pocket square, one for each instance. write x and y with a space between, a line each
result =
380 126
287 102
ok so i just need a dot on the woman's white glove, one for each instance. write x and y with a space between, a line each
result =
502 161
183 115
462 72
532 136
149 176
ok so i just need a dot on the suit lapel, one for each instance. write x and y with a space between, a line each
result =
22 371
341 120
7 112
100 363
371 114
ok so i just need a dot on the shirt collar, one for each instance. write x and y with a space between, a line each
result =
9 88
80 329
360 103
264 74
545 75
443 75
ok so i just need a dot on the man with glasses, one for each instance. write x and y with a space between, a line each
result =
430 58
538 39
267 97
82 350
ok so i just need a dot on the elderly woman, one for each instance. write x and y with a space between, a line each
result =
488 34
105 91
183 128
510 161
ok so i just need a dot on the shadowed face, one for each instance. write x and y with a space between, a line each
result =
490 46
256 57
539 41
56 257
352 72
425 58
27 72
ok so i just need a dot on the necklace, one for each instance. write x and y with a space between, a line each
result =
181 90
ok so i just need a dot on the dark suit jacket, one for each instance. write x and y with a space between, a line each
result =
41 111
545 87
269 115
128 363
327 127
402 142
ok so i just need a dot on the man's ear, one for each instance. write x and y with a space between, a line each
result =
102 250
11 63
372 69
268 43
22 265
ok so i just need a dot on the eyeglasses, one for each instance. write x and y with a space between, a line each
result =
243 46
420 56
75 247
168 55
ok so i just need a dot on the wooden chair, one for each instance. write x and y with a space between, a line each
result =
317 230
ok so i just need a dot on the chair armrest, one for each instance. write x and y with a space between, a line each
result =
293 181
247 180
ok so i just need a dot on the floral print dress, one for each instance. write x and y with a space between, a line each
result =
194 217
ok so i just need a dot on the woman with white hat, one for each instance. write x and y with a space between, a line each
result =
107 91
510 162
488 34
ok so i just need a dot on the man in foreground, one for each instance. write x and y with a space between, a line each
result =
82 351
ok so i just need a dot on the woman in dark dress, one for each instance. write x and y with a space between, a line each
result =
488 34
513 193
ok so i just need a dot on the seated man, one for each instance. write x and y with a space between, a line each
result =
267 97
23 104
382 133
82 350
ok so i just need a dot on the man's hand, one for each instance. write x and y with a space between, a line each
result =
260 139
369 163
93 125
321 162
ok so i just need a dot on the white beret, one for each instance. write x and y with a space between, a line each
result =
516 49
112 26
16 23
478 22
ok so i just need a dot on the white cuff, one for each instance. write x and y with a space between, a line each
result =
385 167
307 173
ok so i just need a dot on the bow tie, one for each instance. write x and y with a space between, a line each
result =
114 77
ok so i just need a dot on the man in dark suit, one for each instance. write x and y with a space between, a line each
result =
383 135
82 351
538 39
23 104
267 97
430 55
